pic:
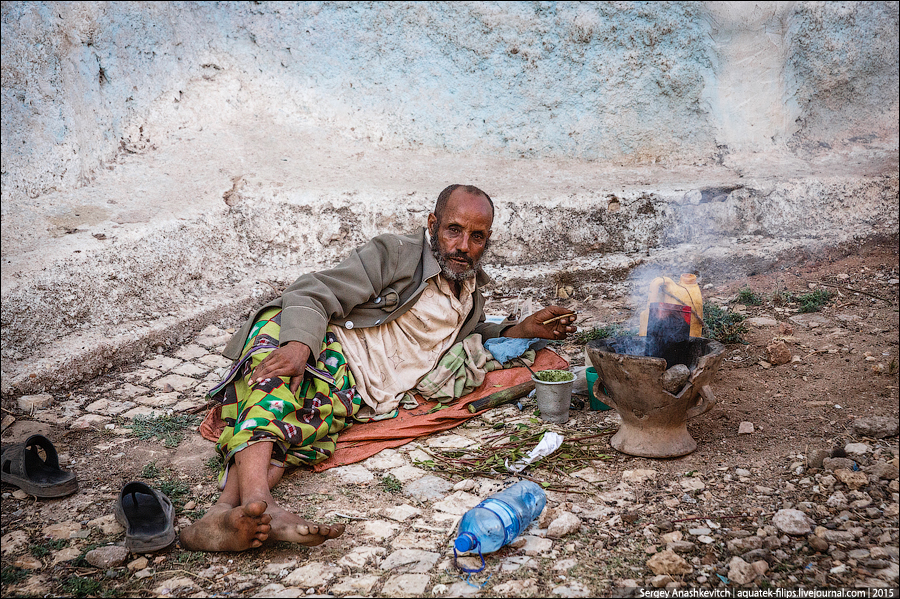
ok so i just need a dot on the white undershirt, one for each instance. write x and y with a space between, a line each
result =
388 360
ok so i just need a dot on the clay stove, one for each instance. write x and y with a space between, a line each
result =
654 421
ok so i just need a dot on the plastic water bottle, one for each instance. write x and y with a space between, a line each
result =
500 518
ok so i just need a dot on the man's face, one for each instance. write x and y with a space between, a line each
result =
459 240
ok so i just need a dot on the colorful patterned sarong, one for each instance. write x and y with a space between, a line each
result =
303 428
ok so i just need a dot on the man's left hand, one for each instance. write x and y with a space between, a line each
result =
533 325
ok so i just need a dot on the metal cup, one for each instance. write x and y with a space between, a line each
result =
553 399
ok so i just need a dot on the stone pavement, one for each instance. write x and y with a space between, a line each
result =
621 524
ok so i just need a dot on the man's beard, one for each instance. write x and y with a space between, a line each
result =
444 258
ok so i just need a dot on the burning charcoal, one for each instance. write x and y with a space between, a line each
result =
675 377
668 332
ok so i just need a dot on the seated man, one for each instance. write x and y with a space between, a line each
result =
378 322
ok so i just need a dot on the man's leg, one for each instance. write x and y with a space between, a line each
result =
273 410
246 514
233 525
255 486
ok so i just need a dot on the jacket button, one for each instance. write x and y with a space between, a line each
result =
377 300
348 325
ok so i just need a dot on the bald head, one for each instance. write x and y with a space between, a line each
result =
441 205
460 228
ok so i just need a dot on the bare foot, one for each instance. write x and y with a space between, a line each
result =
225 528
291 527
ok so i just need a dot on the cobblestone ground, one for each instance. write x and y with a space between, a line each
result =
747 508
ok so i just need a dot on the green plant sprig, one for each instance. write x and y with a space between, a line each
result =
489 460
748 297
168 429
723 325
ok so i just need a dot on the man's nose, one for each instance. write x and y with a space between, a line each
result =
464 243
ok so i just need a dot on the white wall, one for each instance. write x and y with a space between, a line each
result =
632 83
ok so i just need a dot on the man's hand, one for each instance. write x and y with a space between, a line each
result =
288 360
533 325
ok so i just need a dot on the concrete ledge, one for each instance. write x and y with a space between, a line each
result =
612 275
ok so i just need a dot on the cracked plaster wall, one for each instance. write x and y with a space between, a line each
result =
610 81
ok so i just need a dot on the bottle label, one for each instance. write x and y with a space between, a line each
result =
507 517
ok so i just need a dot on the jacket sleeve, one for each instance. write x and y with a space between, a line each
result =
315 298
490 330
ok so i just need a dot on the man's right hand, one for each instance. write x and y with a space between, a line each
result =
288 360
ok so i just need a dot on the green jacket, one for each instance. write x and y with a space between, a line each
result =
377 283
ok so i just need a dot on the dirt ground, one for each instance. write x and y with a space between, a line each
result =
845 366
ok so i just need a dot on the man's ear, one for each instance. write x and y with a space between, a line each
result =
432 224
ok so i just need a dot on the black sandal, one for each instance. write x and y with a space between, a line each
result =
148 517
23 467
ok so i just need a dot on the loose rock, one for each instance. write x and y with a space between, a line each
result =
410 560
853 480
566 523
536 546
169 587
778 352
547 516
878 427
837 500
13 542
668 562
681 546
744 545
793 522
816 457
833 464
427 487
675 377
857 449
28 562
107 525
138 564
883 470
310 575
740 571
637 476
30 403
819 544
661 580
692 484
405 585
835 536
111 556
358 585
61 530
762 321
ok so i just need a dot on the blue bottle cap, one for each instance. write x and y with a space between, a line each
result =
465 542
